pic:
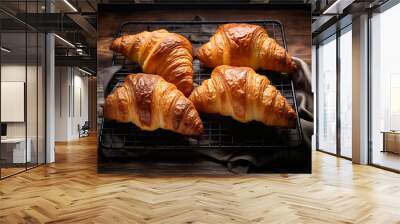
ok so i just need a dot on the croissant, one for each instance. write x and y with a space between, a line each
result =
245 45
244 95
149 102
162 53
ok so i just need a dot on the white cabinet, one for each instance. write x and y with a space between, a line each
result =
17 146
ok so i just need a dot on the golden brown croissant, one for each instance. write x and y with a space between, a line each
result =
150 102
245 45
162 53
243 94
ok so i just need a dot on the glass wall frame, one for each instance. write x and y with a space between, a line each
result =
338 124
24 54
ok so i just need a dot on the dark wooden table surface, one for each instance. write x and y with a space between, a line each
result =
297 24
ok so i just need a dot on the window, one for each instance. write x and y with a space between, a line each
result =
385 89
327 96
335 106
346 95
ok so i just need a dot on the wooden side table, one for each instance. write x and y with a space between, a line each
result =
391 141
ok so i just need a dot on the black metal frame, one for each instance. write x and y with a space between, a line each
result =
25 88
369 125
316 109
191 143
338 98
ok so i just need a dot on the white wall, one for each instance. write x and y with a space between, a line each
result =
70 84
12 73
62 81
360 89
81 94
34 125
50 95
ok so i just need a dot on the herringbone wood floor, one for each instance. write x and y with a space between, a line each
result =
71 191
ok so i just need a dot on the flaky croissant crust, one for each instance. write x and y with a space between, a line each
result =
244 95
162 53
150 102
245 45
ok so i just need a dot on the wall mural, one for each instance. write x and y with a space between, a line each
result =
212 88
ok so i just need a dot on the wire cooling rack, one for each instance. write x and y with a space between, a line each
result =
219 132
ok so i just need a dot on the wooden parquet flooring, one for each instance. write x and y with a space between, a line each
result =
71 191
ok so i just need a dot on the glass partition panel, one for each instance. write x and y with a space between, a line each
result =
32 86
22 77
14 153
41 110
385 89
31 98
327 95
346 92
